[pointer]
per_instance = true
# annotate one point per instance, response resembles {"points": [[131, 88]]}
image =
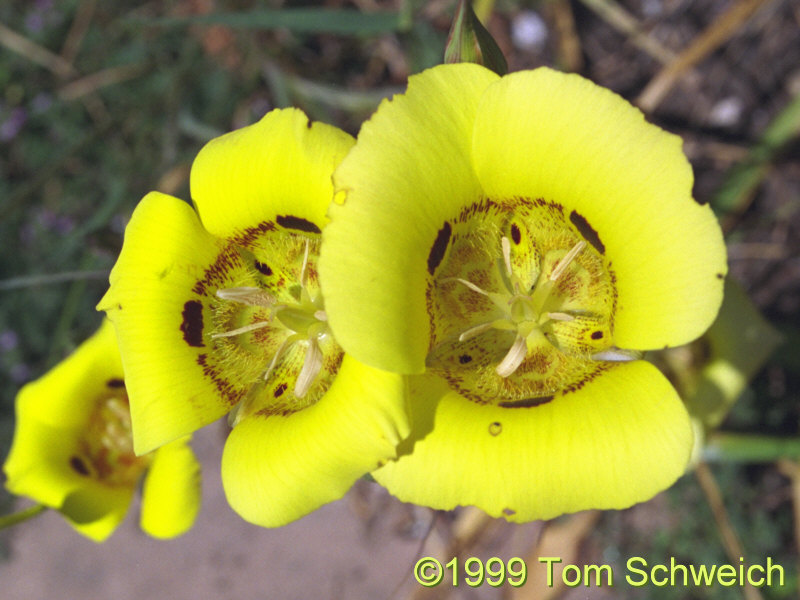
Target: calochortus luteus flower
{"points": [[73, 450], [220, 311], [514, 244]]}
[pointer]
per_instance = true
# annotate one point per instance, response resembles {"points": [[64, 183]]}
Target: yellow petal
{"points": [[159, 303], [543, 134], [96, 510], [410, 170], [276, 469], [620, 438], [275, 171], [52, 414], [171, 493]]}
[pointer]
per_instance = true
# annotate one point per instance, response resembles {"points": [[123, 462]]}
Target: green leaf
{"points": [[743, 179], [297, 20], [741, 341]]}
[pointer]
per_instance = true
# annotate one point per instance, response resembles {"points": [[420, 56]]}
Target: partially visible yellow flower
{"points": [[509, 242], [219, 311], [73, 450]]}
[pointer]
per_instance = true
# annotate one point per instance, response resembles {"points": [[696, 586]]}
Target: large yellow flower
{"points": [[219, 311], [518, 240], [73, 450]]}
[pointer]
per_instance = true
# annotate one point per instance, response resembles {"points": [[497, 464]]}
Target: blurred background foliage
{"points": [[104, 101]]}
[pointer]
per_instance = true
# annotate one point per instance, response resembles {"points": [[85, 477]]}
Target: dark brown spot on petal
{"points": [[192, 325], [439, 247], [516, 234], [720, 276], [115, 382], [509, 512], [292, 222], [597, 335], [464, 359], [526, 402], [263, 268], [77, 464], [279, 390], [587, 231]]}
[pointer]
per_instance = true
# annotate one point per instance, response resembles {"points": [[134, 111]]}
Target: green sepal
{"points": [[469, 41]]}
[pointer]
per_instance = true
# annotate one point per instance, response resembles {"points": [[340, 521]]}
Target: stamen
{"points": [[513, 359], [617, 355], [473, 331], [469, 284], [304, 268], [252, 296], [275, 358], [321, 315], [568, 258], [312, 365], [560, 316], [245, 329], [506, 247]]}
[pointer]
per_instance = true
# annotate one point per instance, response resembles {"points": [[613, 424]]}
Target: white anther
{"points": [[275, 358], [245, 329], [469, 284], [568, 258], [311, 368], [560, 316], [321, 315], [513, 359], [304, 268], [251, 296], [505, 245], [617, 355], [473, 331]]}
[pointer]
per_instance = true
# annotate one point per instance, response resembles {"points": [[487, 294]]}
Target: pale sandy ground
{"points": [[340, 551], [362, 547]]}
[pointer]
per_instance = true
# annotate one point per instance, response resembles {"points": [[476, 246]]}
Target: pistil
{"points": [[524, 312], [301, 321]]}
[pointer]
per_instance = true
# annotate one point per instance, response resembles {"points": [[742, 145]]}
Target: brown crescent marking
{"points": [[587, 231], [263, 268], [77, 464], [279, 390], [464, 359], [292, 222], [526, 402], [597, 335], [516, 234], [192, 324], [439, 247], [115, 382]]}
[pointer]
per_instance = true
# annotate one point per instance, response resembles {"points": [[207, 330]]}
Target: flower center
{"points": [[521, 301], [106, 446], [273, 336]]}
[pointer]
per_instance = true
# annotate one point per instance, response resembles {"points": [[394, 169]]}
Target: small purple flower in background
{"points": [[40, 103], [41, 15], [8, 340], [12, 125]]}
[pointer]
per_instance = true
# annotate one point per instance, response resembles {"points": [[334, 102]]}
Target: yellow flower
{"points": [[219, 311], [519, 240], [73, 451]]}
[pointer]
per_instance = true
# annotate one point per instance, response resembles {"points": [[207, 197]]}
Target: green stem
{"points": [[738, 447], [21, 516]]}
